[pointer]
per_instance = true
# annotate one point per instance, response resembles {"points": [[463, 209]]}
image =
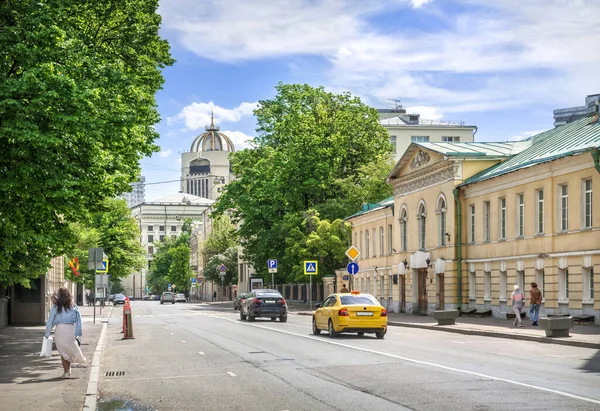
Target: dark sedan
{"points": [[238, 300], [119, 299], [264, 303]]}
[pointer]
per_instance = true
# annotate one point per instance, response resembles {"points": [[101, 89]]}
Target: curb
{"points": [[495, 334], [91, 395]]}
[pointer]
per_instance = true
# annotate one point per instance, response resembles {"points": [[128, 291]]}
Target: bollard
{"points": [[127, 322]]}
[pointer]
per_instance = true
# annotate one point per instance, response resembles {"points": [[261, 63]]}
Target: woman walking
{"points": [[65, 315], [518, 300]]}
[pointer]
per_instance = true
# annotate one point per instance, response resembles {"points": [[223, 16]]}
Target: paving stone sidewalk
{"points": [[30, 382]]}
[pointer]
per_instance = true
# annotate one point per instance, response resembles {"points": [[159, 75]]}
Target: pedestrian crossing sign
{"points": [[311, 268]]}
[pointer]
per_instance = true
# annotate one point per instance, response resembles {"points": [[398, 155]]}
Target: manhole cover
{"points": [[115, 373]]}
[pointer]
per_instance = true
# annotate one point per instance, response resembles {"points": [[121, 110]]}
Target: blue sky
{"points": [[502, 65]]}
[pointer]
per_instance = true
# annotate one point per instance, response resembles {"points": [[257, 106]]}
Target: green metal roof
{"points": [[477, 149], [572, 138], [368, 208]]}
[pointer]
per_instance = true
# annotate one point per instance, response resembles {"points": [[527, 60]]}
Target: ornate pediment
{"points": [[420, 159]]}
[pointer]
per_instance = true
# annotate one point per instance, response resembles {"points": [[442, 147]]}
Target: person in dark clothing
{"points": [[535, 297]]}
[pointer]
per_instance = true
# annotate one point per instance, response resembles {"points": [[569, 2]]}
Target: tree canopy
{"points": [[77, 109], [314, 150], [220, 248]]}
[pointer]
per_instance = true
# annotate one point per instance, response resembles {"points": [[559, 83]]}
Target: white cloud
{"points": [[524, 135], [166, 153], [239, 139], [499, 54], [426, 112], [197, 115]]}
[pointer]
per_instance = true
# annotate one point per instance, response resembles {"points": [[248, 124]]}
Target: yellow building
{"points": [[487, 216]]}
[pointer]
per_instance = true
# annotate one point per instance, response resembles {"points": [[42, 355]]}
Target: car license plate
{"points": [[270, 302], [365, 313]]}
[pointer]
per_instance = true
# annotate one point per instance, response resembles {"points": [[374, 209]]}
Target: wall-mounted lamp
{"points": [[448, 236], [428, 261], [405, 263]]}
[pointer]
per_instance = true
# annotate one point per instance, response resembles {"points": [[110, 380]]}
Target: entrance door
{"points": [[402, 293], [422, 290], [440, 292]]}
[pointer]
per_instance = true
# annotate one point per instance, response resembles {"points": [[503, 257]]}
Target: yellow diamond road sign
{"points": [[352, 253]]}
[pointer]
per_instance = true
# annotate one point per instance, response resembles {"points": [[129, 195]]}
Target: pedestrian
{"points": [[344, 289], [67, 319], [518, 300], [535, 299], [214, 296]]}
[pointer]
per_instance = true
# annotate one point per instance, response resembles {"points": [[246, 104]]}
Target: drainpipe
{"points": [[596, 157], [458, 245]]}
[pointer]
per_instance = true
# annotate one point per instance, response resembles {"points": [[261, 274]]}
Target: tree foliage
{"points": [[77, 109], [171, 263], [314, 150], [221, 248]]}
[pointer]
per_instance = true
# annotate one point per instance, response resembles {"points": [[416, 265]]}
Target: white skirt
{"points": [[64, 338]]}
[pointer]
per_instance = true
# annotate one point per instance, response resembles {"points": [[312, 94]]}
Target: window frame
{"points": [[442, 220], [390, 239], [539, 212], [472, 223], [404, 229], [450, 139], [487, 235], [419, 139], [502, 220], [563, 207], [587, 215], [422, 217], [520, 215], [367, 243]]}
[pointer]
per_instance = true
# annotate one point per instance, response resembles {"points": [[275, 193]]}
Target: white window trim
{"points": [[487, 234], [520, 215], [537, 212], [472, 223], [442, 213], [487, 286], [503, 280], [502, 218], [561, 208], [422, 219], [584, 193]]}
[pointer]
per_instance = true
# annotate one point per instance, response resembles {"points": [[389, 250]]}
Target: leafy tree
{"points": [[171, 263], [77, 108], [116, 287], [317, 239], [222, 237], [229, 258], [314, 150]]}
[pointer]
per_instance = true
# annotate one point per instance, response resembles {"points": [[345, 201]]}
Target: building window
{"points": [[361, 242], [404, 229], [502, 218], [487, 285], [374, 240], [587, 204], [486, 221], [393, 142], [442, 221], [419, 139], [390, 241], [161, 228], [173, 228], [588, 283], [150, 238], [539, 211], [521, 215], [422, 226], [503, 282], [564, 207], [150, 228], [381, 241], [150, 249], [367, 254], [356, 240], [563, 284], [162, 238], [450, 139], [472, 223], [472, 284], [521, 280]]}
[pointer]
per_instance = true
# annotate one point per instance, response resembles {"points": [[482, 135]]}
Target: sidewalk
{"points": [[31, 382], [587, 335]]}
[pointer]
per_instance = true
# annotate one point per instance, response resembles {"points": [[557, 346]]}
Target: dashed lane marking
{"points": [[230, 373], [200, 352]]}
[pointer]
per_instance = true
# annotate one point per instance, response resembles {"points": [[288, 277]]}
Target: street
{"points": [[202, 357]]}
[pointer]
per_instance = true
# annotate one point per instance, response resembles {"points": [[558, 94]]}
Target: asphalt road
{"points": [[202, 357]]}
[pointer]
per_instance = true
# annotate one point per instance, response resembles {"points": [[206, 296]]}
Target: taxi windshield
{"points": [[358, 299]]}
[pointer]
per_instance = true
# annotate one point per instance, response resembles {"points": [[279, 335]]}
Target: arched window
{"points": [[404, 229], [421, 216], [441, 212]]}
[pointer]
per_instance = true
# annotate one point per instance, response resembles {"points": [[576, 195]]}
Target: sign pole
{"points": [[95, 289], [310, 294]]}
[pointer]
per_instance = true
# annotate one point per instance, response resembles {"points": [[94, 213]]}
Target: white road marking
{"points": [[162, 378], [200, 352], [183, 341], [171, 333], [431, 364], [230, 373]]}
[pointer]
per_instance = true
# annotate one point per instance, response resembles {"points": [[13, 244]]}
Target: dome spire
{"points": [[212, 117]]}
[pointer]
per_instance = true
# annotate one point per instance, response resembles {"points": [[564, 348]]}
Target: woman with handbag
{"points": [[65, 315], [518, 301]]}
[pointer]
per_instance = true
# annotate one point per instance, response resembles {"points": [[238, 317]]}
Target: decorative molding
{"points": [[587, 261], [562, 263], [487, 267], [503, 266], [420, 159], [520, 265], [428, 179], [539, 264]]}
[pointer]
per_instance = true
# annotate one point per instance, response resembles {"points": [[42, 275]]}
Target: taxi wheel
{"points": [[331, 330], [316, 331], [380, 335]]}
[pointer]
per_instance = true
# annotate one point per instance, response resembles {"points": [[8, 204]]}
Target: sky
{"points": [[501, 65]]}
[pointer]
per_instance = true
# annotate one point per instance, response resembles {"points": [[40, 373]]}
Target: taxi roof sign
{"points": [[352, 253]]}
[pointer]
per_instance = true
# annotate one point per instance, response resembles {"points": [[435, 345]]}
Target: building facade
{"points": [[405, 128], [563, 116], [137, 194], [469, 221]]}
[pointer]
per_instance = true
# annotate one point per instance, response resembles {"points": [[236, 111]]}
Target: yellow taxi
{"points": [[350, 313]]}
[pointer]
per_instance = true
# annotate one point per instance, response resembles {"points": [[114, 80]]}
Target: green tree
{"points": [[77, 109], [313, 150], [229, 258], [171, 263], [222, 237], [317, 239]]}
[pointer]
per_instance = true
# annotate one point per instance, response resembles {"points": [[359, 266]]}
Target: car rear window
{"points": [[358, 299], [269, 295]]}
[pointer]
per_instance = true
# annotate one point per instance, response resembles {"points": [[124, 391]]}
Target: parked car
{"points": [[264, 303], [118, 299], [167, 297], [350, 313], [155, 297], [180, 298], [145, 297], [238, 300]]}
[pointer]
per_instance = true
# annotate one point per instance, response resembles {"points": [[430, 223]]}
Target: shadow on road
{"points": [[593, 364]]}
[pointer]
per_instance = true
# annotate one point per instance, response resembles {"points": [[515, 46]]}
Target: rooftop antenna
{"points": [[397, 104]]}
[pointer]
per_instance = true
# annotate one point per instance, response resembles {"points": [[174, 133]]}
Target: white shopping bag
{"points": [[47, 347]]}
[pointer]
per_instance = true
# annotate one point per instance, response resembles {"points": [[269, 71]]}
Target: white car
{"points": [[180, 298]]}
